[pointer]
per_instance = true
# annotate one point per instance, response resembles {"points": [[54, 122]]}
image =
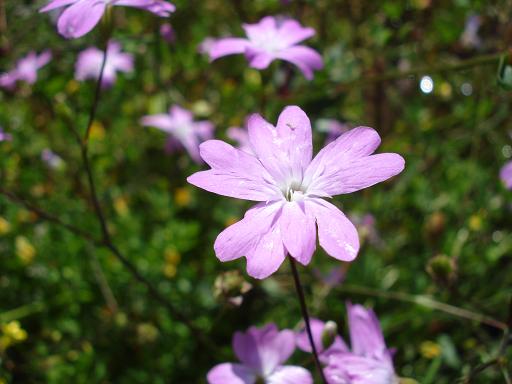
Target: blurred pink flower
{"points": [[240, 135], [506, 174], [369, 361], [269, 40], [26, 69], [206, 45], [5, 136], [262, 353], [167, 33], [183, 130], [290, 185], [317, 330], [88, 64], [51, 159], [469, 37], [81, 16], [333, 128]]}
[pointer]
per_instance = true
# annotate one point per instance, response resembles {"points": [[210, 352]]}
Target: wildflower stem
{"points": [[305, 315], [203, 339]]}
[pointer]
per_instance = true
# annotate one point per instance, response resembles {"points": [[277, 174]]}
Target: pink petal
{"points": [[229, 373], [506, 174], [204, 130], [344, 166], [361, 173], [227, 46], [366, 338], [317, 328], [307, 59], [43, 59], [191, 143], [264, 349], [158, 7], [291, 32], [234, 173], [348, 367], [290, 374], [336, 234], [284, 151], [54, 4], [268, 255], [80, 18], [241, 238], [298, 231], [294, 129], [265, 27], [160, 121], [258, 59]]}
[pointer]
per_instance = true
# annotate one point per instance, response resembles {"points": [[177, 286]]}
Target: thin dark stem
{"points": [[107, 239], [305, 315], [97, 93], [47, 216], [120, 256], [497, 360]]}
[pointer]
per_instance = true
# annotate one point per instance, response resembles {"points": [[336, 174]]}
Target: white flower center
{"points": [[294, 191]]}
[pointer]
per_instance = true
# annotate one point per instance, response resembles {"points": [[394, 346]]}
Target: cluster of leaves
{"points": [[444, 224]]}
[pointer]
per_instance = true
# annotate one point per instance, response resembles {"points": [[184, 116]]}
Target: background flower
{"points": [[262, 353], [81, 16], [269, 40], [88, 64], [182, 129], [25, 69]]}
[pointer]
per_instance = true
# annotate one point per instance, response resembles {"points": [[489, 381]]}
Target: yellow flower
{"points": [[430, 349], [182, 197], [72, 86], [24, 250], [172, 256], [475, 222], [170, 271], [172, 259], [12, 333], [5, 226], [121, 206], [97, 131]]}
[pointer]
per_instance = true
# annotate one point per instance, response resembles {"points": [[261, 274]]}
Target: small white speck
{"points": [[466, 89], [426, 84]]}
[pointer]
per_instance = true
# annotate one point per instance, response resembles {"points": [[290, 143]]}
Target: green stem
{"points": [[426, 301]]}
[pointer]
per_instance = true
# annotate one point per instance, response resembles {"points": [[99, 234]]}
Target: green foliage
{"points": [[444, 224]]}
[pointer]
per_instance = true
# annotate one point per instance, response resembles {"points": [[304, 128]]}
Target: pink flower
{"points": [[81, 16], [317, 329], [370, 361], [51, 158], [241, 136], [88, 65], [5, 136], [182, 129], [167, 32], [26, 69], [506, 174], [269, 40], [262, 352], [290, 185], [333, 128]]}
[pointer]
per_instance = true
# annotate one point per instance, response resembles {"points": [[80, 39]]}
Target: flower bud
{"points": [[329, 333], [442, 269]]}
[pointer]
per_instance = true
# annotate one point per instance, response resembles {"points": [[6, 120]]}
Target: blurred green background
{"points": [[70, 312]]}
